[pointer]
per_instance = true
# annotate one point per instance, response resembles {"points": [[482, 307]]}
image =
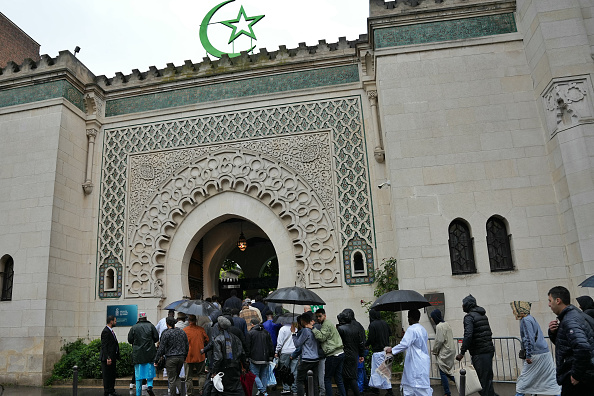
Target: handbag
{"points": [[161, 362], [472, 381]]}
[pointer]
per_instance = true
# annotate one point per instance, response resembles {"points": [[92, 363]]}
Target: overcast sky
{"points": [[121, 35]]}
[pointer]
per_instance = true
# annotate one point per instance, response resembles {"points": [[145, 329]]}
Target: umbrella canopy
{"points": [[174, 304], [589, 282], [295, 295], [286, 318], [400, 300], [196, 307]]}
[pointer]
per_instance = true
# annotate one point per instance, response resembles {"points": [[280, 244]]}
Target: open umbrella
{"points": [[295, 295], [196, 307], [286, 318], [589, 282], [400, 300], [174, 304]]}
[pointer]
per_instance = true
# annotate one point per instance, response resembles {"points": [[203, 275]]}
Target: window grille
{"points": [[461, 249], [7, 279], [498, 245]]}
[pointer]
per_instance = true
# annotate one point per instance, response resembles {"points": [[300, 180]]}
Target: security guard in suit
{"points": [[110, 353]]}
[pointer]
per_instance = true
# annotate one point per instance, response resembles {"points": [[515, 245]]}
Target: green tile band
{"points": [[234, 89], [456, 29], [44, 91]]}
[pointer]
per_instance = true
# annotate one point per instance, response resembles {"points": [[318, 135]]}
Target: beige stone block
{"points": [[439, 175], [418, 206], [414, 237], [501, 169], [457, 205], [533, 196], [543, 225]]}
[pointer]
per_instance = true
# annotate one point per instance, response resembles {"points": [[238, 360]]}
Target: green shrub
{"points": [[86, 357]]}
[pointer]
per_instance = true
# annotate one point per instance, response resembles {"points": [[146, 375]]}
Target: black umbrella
{"points": [[400, 300], [196, 307], [589, 282], [295, 295], [286, 318]]}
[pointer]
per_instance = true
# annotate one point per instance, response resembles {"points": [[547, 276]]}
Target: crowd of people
{"points": [[240, 336]]}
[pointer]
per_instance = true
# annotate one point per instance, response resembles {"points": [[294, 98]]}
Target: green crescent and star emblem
{"points": [[236, 32]]}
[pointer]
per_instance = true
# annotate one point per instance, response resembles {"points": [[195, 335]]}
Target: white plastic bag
{"points": [[472, 381], [217, 381]]}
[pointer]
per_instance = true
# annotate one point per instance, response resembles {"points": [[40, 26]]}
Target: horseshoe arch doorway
{"points": [[208, 236]]}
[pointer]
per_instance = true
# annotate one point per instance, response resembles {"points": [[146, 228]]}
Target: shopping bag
{"points": [[271, 376], [247, 380], [472, 381], [385, 368]]}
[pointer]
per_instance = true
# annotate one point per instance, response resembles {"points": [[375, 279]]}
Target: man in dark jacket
{"points": [[143, 336], [573, 337], [354, 348], [378, 338], [174, 346], [261, 349], [478, 341], [227, 357], [261, 305], [110, 353], [233, 302]]}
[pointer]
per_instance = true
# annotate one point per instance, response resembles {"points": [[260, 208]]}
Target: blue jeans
{"points": [[261, 372], [285, 360], [334, 369], [445, 382]]}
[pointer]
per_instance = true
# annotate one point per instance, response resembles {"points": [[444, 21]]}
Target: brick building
{"points": [[15, 45]]}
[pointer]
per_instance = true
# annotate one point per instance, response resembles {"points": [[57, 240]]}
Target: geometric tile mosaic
{"points": [[284, 82], [44, 91], [455, 29]]}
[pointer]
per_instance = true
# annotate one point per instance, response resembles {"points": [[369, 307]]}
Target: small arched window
{"points": [[498, 245], [109, 279], [461, 248], [7, 277], [358, 263]]}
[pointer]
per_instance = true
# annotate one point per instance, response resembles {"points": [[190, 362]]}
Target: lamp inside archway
{"points": [[242, 242]]}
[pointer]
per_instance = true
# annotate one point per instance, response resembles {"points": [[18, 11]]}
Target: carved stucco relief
{"points": [[177, 182], [567, 103]]}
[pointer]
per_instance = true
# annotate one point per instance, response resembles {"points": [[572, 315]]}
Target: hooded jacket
{"points": [[379, 332], [477, 332], [228, 361], [574, 345], [259, 344], [353, 342], [587, 305]]}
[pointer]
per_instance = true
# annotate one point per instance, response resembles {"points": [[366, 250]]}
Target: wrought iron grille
{"points": [[498, 245], [461, 249], [7, 278]]}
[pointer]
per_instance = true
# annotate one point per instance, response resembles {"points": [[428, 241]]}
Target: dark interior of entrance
{"points": [[253, 270]]}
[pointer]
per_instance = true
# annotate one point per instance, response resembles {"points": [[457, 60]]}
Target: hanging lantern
{"points": [[242, 242]]}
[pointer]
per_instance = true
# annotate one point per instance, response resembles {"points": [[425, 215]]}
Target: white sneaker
{"points": [[144, 387], [132, 385]]}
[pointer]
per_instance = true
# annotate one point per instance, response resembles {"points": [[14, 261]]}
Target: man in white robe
{"points": [[417, 363]]}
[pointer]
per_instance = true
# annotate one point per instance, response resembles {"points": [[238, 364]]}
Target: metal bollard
{"points": [[462, 391], [310, 384], [75, 381], [182, 391]]}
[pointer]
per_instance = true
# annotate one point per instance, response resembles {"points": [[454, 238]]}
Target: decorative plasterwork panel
{"points": [[567, 103], [214, 170], [341, 116]]}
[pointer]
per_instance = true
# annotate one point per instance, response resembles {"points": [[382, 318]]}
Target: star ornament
{"points": [[242, 15]]}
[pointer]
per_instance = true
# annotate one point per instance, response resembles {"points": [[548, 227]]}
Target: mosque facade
{"points": [[455, 136]]}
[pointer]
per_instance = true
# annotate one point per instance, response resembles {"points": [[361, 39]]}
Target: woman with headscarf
{"points": [[445, 350], [538, 372], [586, 305]]}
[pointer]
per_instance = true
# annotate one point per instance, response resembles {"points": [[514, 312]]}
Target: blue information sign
{"points": [[126, 315]]}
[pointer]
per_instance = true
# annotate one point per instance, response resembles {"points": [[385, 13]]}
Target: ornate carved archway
{"points": [[262, 176]]}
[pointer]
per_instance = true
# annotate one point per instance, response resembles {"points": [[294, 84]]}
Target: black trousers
{"points": [[581, 389], [302, 369], [109, 377], [351, 383], [483, 364]]}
